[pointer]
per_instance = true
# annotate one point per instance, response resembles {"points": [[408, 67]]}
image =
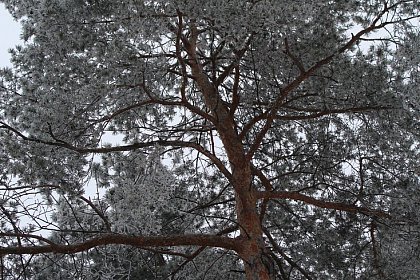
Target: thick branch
{"points": [[266, 195], [138, 241], [191, 257], [320, 203]]}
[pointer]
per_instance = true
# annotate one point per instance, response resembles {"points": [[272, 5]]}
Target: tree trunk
{"points": [[252, 248], [252, 245]]}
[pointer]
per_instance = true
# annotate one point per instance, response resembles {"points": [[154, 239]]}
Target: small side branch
{"points": [[295, 60], [97, 211], [123, 148], [284, 256]]}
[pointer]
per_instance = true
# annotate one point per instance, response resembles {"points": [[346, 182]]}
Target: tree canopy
{"points": [[254, 139]]}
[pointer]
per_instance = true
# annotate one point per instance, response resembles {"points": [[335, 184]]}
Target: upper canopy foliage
{"points": [[158, 104]]}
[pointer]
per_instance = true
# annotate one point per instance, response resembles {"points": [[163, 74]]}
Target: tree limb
{"points": [[320, 203], [108, 239], [122, 148]]}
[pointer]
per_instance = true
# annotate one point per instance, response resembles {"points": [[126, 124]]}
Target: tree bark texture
{"points": [[251, 245]]}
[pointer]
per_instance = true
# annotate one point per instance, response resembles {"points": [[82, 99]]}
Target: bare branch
{"points": [[137, 241], [320, 113], [130, 147], [269, 194], [295, 60], [97, 211], [320, 203], [287, 258]]}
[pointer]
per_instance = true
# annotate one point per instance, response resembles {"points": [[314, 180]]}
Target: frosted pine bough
{"points": [[261, 140]]}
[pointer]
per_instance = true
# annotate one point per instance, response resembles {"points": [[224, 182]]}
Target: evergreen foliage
{"points": [[172, 139]]}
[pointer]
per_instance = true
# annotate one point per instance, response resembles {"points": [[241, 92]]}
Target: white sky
{"points": [[9, 35]]}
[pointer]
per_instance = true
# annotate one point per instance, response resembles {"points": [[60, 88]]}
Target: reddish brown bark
{"points": [[250, 246], [321, 203], [138, 241]]}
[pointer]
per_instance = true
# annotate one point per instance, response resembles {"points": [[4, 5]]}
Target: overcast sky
{"points": [[9, 35]]}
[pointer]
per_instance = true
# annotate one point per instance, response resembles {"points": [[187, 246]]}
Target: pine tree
{"points": [[260, 139]]}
